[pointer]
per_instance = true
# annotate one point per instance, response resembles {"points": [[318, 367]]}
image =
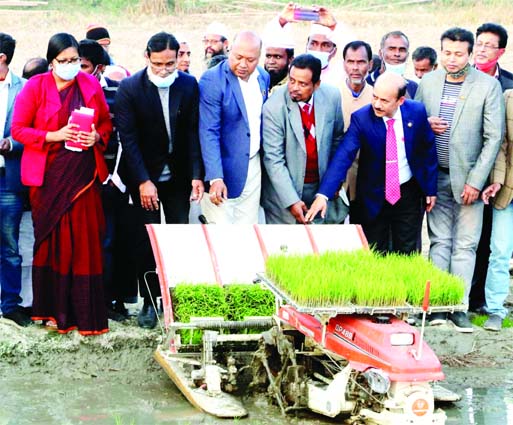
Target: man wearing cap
{"points": [[323, 37], [231, 98], [279, 52], [100, 34], [215, 41], [394, 51], [302, 126]]}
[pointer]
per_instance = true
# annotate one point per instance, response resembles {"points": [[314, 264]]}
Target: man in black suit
{"points": [[157, 117], [491, 41]]}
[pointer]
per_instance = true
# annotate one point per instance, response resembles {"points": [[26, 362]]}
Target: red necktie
{"points": [[392, 185], [312, 161]]}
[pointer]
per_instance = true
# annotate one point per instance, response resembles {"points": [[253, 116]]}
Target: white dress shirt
{"points": [[253, 101]]}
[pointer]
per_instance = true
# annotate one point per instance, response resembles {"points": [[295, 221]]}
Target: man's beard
{"points": [[209, 55], [277, 76]]}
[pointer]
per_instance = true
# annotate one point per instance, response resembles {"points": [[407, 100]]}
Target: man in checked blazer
{"points": [[466, 112]]}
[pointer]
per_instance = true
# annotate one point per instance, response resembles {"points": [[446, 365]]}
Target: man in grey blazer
{"points": [[302, 126], [466, 113], [11, 190]]}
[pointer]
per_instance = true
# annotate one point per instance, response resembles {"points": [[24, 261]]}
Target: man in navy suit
{"points": [[157, 120], [231, 98], [397, 168]]}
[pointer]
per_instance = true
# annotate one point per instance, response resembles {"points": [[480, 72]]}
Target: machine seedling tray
{"points": [[332, 311]]}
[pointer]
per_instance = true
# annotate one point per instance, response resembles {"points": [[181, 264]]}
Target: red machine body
{"points": [[366, 343]]}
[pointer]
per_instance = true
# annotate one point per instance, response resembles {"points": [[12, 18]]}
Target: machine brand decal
{"points": [[356, 347], [344, 332], [420, 407]]}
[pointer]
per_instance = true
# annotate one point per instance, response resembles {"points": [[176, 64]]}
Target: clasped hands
{"points": [[69, 132]]}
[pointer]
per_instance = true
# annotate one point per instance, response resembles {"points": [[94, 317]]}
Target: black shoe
{"points": [[461, 322], [119, 307], [18, 317], [435, 319], [147, 317], [114, 315]]}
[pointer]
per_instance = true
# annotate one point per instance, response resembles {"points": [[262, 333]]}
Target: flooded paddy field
{"points": [[46, 378]]}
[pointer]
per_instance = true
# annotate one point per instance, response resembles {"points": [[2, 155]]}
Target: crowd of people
{"points": [[297, 140]]}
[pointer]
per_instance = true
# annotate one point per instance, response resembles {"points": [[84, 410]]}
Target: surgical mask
{"points": [[322, 56], [487, 66], [67, 71], [396, 69], [162, 82]]}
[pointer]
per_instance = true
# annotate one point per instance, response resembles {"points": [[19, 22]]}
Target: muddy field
{"points": [[47, 378]]}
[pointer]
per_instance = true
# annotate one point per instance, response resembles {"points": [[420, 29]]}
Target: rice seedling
{"points": [[361, 277], [232, 302], [480, 319], [243, 300]]}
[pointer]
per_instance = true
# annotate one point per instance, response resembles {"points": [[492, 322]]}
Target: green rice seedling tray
{"points": [[361, 282], [332, 311], [240, 307]]}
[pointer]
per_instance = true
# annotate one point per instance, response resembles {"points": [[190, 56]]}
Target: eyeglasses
{"points": [[73, 61], [486, 46], [211, 41], [170, 66]]}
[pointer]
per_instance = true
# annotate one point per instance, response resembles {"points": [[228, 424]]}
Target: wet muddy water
{"points": [[115, 397]]}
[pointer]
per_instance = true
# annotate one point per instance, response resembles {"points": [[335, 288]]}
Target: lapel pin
{"points": [[410, 124]]}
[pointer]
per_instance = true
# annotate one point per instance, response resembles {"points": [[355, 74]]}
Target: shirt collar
{"points": [[397, 116], [309, 103], [8, 79], [252, 78]]}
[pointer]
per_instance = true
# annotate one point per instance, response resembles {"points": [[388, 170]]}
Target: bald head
{"points": [[247, 38], [244, 54], [392, 80], [389, 92]]}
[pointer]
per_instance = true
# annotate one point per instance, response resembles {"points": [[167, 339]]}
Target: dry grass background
{"points": [[130, 30]]}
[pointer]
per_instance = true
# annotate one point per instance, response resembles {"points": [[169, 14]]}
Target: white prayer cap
{"points": [[181, 38], [322, 30], [278, 37], [217, 28]]}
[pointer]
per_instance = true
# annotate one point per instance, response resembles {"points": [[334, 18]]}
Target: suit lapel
{"points": [[153, 101], [436, 94], [295, 121], [408, 125], [320, 117], [53, 100], [466, 87], [263, 86], [233, 82], [175, 98]]}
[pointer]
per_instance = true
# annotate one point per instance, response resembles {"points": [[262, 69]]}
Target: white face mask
{"points": [[162, 82], [67, 71], [396, 69], [322, 56]]}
